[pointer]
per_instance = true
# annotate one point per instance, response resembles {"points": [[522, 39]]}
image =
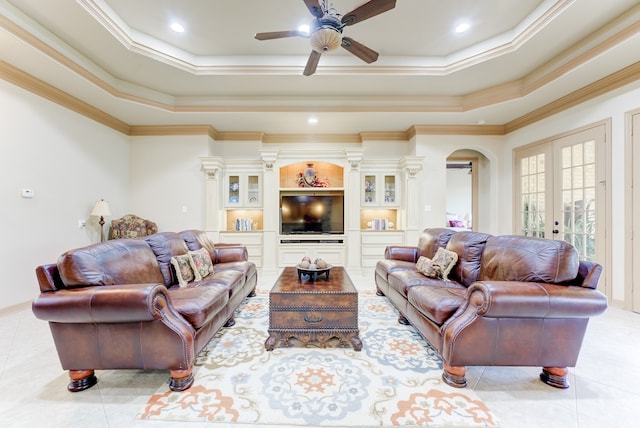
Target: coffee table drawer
{"points": [[313, 319]]}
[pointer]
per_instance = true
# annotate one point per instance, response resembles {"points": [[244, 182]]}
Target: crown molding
{"points": [[457, 130]]}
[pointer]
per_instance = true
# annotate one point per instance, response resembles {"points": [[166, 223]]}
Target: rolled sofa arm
{"points": [[400, 252], [231, 253], [514, 299], [96, 304]]}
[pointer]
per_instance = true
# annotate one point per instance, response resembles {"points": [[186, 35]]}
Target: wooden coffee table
{"points": [[313, 310]]}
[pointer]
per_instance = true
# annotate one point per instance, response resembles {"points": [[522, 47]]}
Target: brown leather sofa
{"points": [[118, 305], [509, 301]]}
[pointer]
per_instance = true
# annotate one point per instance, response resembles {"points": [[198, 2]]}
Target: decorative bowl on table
{"points": [[313, 271]]}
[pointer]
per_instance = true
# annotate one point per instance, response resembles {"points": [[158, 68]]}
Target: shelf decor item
{"points": [[308, 178]]}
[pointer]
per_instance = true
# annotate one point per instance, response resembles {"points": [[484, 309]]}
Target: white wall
{"points": [[69, 162], [167, 179]]}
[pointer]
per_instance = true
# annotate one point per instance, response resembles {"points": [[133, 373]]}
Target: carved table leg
{"points": [[356, 343], [454, 375], [81, 380], [181, 379], [555, 376], [270, 343]]}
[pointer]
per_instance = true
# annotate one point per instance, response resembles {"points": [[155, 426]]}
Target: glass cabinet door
{"points": [[389, 189], [369, 194], [234, 189], [253, 190]]}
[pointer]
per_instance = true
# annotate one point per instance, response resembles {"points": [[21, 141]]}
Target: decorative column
{"points": [[411, 166], [212, 167], [352, 211], [270, 211]]}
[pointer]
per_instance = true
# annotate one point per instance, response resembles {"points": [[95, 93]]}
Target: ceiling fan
{"points": [[326, 32]]}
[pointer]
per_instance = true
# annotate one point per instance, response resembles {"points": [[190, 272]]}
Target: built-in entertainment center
{"points": [[342, 209]]}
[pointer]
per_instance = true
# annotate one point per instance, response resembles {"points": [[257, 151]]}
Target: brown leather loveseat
{"points": [[118, 304], [508, 301]]}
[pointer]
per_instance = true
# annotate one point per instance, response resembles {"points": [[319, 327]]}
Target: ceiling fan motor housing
{"points": [[326, 34]]}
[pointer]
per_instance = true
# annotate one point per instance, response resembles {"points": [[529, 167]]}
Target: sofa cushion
{"points": [[198, 304], [469, 247], [521, 258], [196, 239], [437, 302], [184, 270], [231, 280], [201, 262], [122, 261], [432, 239], [403, 280], [247, 269], [166, 245]]}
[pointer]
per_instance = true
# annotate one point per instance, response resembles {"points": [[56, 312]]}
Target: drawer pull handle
{"points": [[316, 321]]}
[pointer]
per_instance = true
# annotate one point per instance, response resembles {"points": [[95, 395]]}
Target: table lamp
{"points": [[101, 209]]}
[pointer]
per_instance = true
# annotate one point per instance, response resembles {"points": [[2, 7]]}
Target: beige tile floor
{"points": [[604, 392]]}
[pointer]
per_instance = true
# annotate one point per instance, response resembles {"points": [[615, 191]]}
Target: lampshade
{"points": [[101, 209], [325, 39]]}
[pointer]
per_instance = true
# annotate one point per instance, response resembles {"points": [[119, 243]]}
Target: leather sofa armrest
{"points": [[514, 299], [107, 303], [231, 253], [401, 252]]}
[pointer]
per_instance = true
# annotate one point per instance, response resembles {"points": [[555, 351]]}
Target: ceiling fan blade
{"points": [[280, 34], [368, 10], [312, 63], [359, 50], [314, 8]]}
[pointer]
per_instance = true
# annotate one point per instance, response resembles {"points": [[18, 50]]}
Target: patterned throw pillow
{"points": [[184, 271], [446, 260], [426, 266], [201, 262]]}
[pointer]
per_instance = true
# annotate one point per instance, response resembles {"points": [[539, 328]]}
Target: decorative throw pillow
{"points": [[446, 260], [456, 223], [426, 266], [184, 271], [201, 262]]}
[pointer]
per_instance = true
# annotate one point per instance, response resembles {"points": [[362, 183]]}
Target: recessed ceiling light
{"points": [[178, 28], [312, 120], [462, 27]]}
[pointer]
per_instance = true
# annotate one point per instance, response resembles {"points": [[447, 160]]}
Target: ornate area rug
{"points": [[395, 379]]}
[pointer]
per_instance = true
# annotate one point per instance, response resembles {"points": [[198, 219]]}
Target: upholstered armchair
{"points": [[131, 226]]}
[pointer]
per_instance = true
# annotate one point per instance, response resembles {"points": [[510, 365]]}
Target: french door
{"points": [[561, 191]]}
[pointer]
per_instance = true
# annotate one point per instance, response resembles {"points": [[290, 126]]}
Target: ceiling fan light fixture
{"points": [[326, 39]]}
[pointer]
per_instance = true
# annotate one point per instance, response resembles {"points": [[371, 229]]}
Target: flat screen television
{"points": [[312, 213]]}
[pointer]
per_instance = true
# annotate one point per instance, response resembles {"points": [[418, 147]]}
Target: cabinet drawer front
{"points": [[313, 319], [383, 238], [302, 302]]}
